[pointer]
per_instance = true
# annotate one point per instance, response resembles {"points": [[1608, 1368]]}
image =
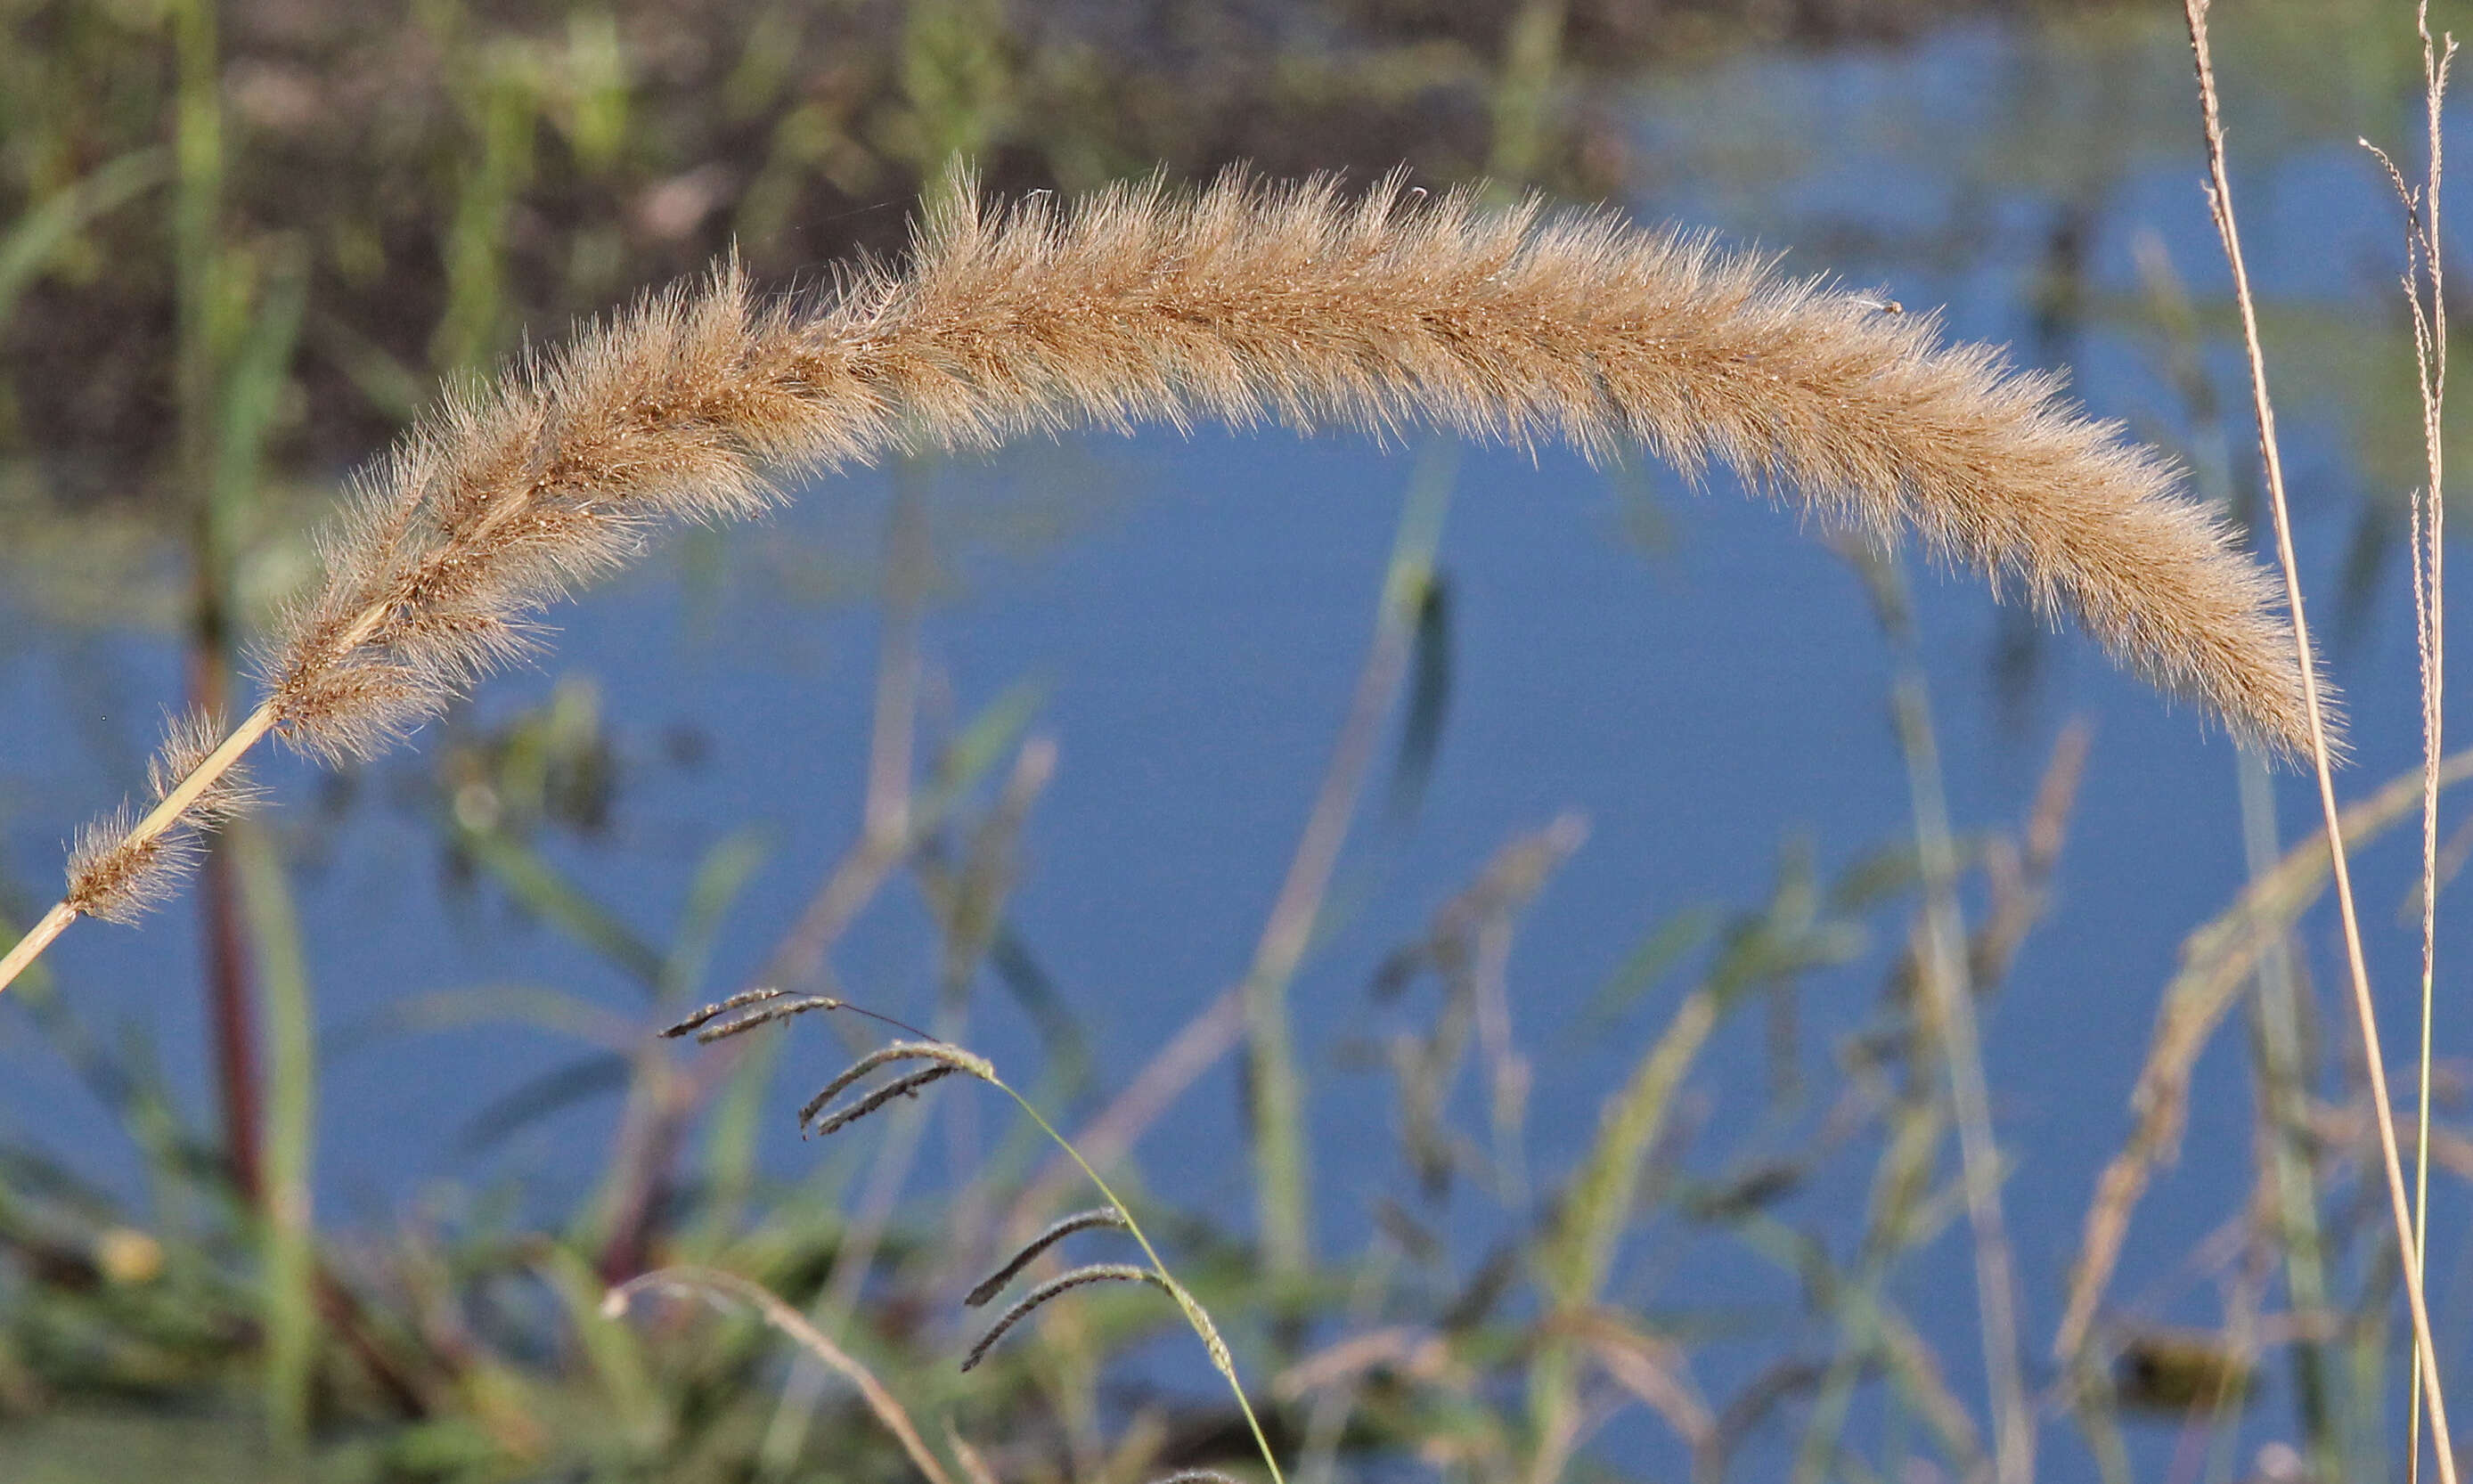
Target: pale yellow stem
{"points": [[39, 938], [2220, 198], [161, 818]]}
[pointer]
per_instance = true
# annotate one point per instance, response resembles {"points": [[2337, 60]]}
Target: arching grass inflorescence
{"points": [[900, 1087], [1242, 302]]}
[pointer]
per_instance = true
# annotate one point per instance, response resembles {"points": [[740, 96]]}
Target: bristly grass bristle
{"points": [[117, 875]]}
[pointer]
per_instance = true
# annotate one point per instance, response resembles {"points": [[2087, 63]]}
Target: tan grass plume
{"points": [[1242, 302]]}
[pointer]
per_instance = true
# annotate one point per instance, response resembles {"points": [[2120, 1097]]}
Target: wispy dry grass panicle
{"points": [[1243, 303], [512, 493], [115, 872]]}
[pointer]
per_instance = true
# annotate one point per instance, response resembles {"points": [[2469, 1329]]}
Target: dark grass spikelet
{"points": [[766, 1014], [900, 1087], [117, 877], [1066, 1282], [719, 1008], [1080, 1220], [778, 1005], [952, 1056]]}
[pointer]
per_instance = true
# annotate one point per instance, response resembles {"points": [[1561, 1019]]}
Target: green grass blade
{"points": [[719, 878], [28, 243], [291, 1259], [540, 889]]}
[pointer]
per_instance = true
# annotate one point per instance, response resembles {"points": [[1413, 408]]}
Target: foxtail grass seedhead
{"points": [[1080, 1220], [1242, 302], [1078, 1278], [116, 875]]}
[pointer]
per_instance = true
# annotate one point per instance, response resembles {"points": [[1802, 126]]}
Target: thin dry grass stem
{"points": [[1054, 1288], [2220, 199], [974, 1466], [1245, 303], [2216, 960], [994, 1283], [712, 1283], [2425, 275]]}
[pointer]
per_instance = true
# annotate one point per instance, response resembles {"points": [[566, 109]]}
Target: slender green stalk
{"points": [[1194, 1314], [2284, 1102], [1278, 1110], [1523, 98], [1943, 975], [290, 1260]]}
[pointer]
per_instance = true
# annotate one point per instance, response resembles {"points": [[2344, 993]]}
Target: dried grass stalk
{"points": [[717, 1285], [1242, 302]]}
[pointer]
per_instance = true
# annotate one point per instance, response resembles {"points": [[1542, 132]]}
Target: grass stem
{"points": [[2220, 200]]}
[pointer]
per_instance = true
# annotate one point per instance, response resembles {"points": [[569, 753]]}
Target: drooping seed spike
{"points": [[1079, 1278], [766, 1014], [719, 1008], [1079, 1221], [898, 1051], [900, 1087]]}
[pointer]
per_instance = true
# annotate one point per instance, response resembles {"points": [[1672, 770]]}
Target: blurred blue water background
{"points": [[1689, 668]]}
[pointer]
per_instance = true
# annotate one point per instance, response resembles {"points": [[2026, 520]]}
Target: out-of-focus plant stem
{"points": [[1278, 1088], [1943, 975], [290, 1260]]}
